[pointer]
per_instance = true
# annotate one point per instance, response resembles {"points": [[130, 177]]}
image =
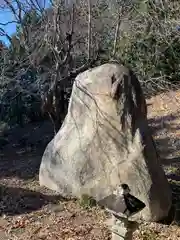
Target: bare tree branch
{"points": [[3, 33], [89, 29], [117, 31], [7, 23], [69, 38]]}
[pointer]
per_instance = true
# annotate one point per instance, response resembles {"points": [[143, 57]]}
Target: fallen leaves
{"points": [[20, 222], [68, 220]]}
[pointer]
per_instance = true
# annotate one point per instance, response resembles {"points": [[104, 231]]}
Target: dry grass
{"points": [[31, 212]]}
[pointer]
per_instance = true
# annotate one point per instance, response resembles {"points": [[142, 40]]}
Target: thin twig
{"points": [[89, 29], [117, 31]]}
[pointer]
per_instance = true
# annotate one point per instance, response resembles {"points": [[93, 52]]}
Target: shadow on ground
{"points": [[167, 139], [14, 201], [21, 153]]}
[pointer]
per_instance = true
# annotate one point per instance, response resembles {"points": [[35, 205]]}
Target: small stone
{"points": [[56, 207]]}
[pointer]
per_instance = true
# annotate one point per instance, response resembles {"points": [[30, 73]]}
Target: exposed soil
{"points": [[28, 211]]}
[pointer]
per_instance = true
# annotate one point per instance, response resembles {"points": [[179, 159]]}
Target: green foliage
{"points": [[87, 201], [152, 46], [19, 93], [19, 99], [30, 19]]}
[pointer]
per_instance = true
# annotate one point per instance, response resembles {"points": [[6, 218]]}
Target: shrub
{"points": [[152, 45]]}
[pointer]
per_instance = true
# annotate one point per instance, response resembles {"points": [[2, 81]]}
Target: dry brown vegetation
{"points": [[31, 212]]}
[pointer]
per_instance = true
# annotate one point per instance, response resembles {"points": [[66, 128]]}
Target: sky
{"points": [[7, 16]]}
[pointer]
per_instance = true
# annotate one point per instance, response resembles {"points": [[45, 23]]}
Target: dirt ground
{"points": [[28, 211]]}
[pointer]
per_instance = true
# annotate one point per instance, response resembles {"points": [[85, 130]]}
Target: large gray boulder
{"points": [[105, 141]]}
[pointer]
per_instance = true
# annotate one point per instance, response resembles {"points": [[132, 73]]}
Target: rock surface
{"points": [[105, 141]]}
